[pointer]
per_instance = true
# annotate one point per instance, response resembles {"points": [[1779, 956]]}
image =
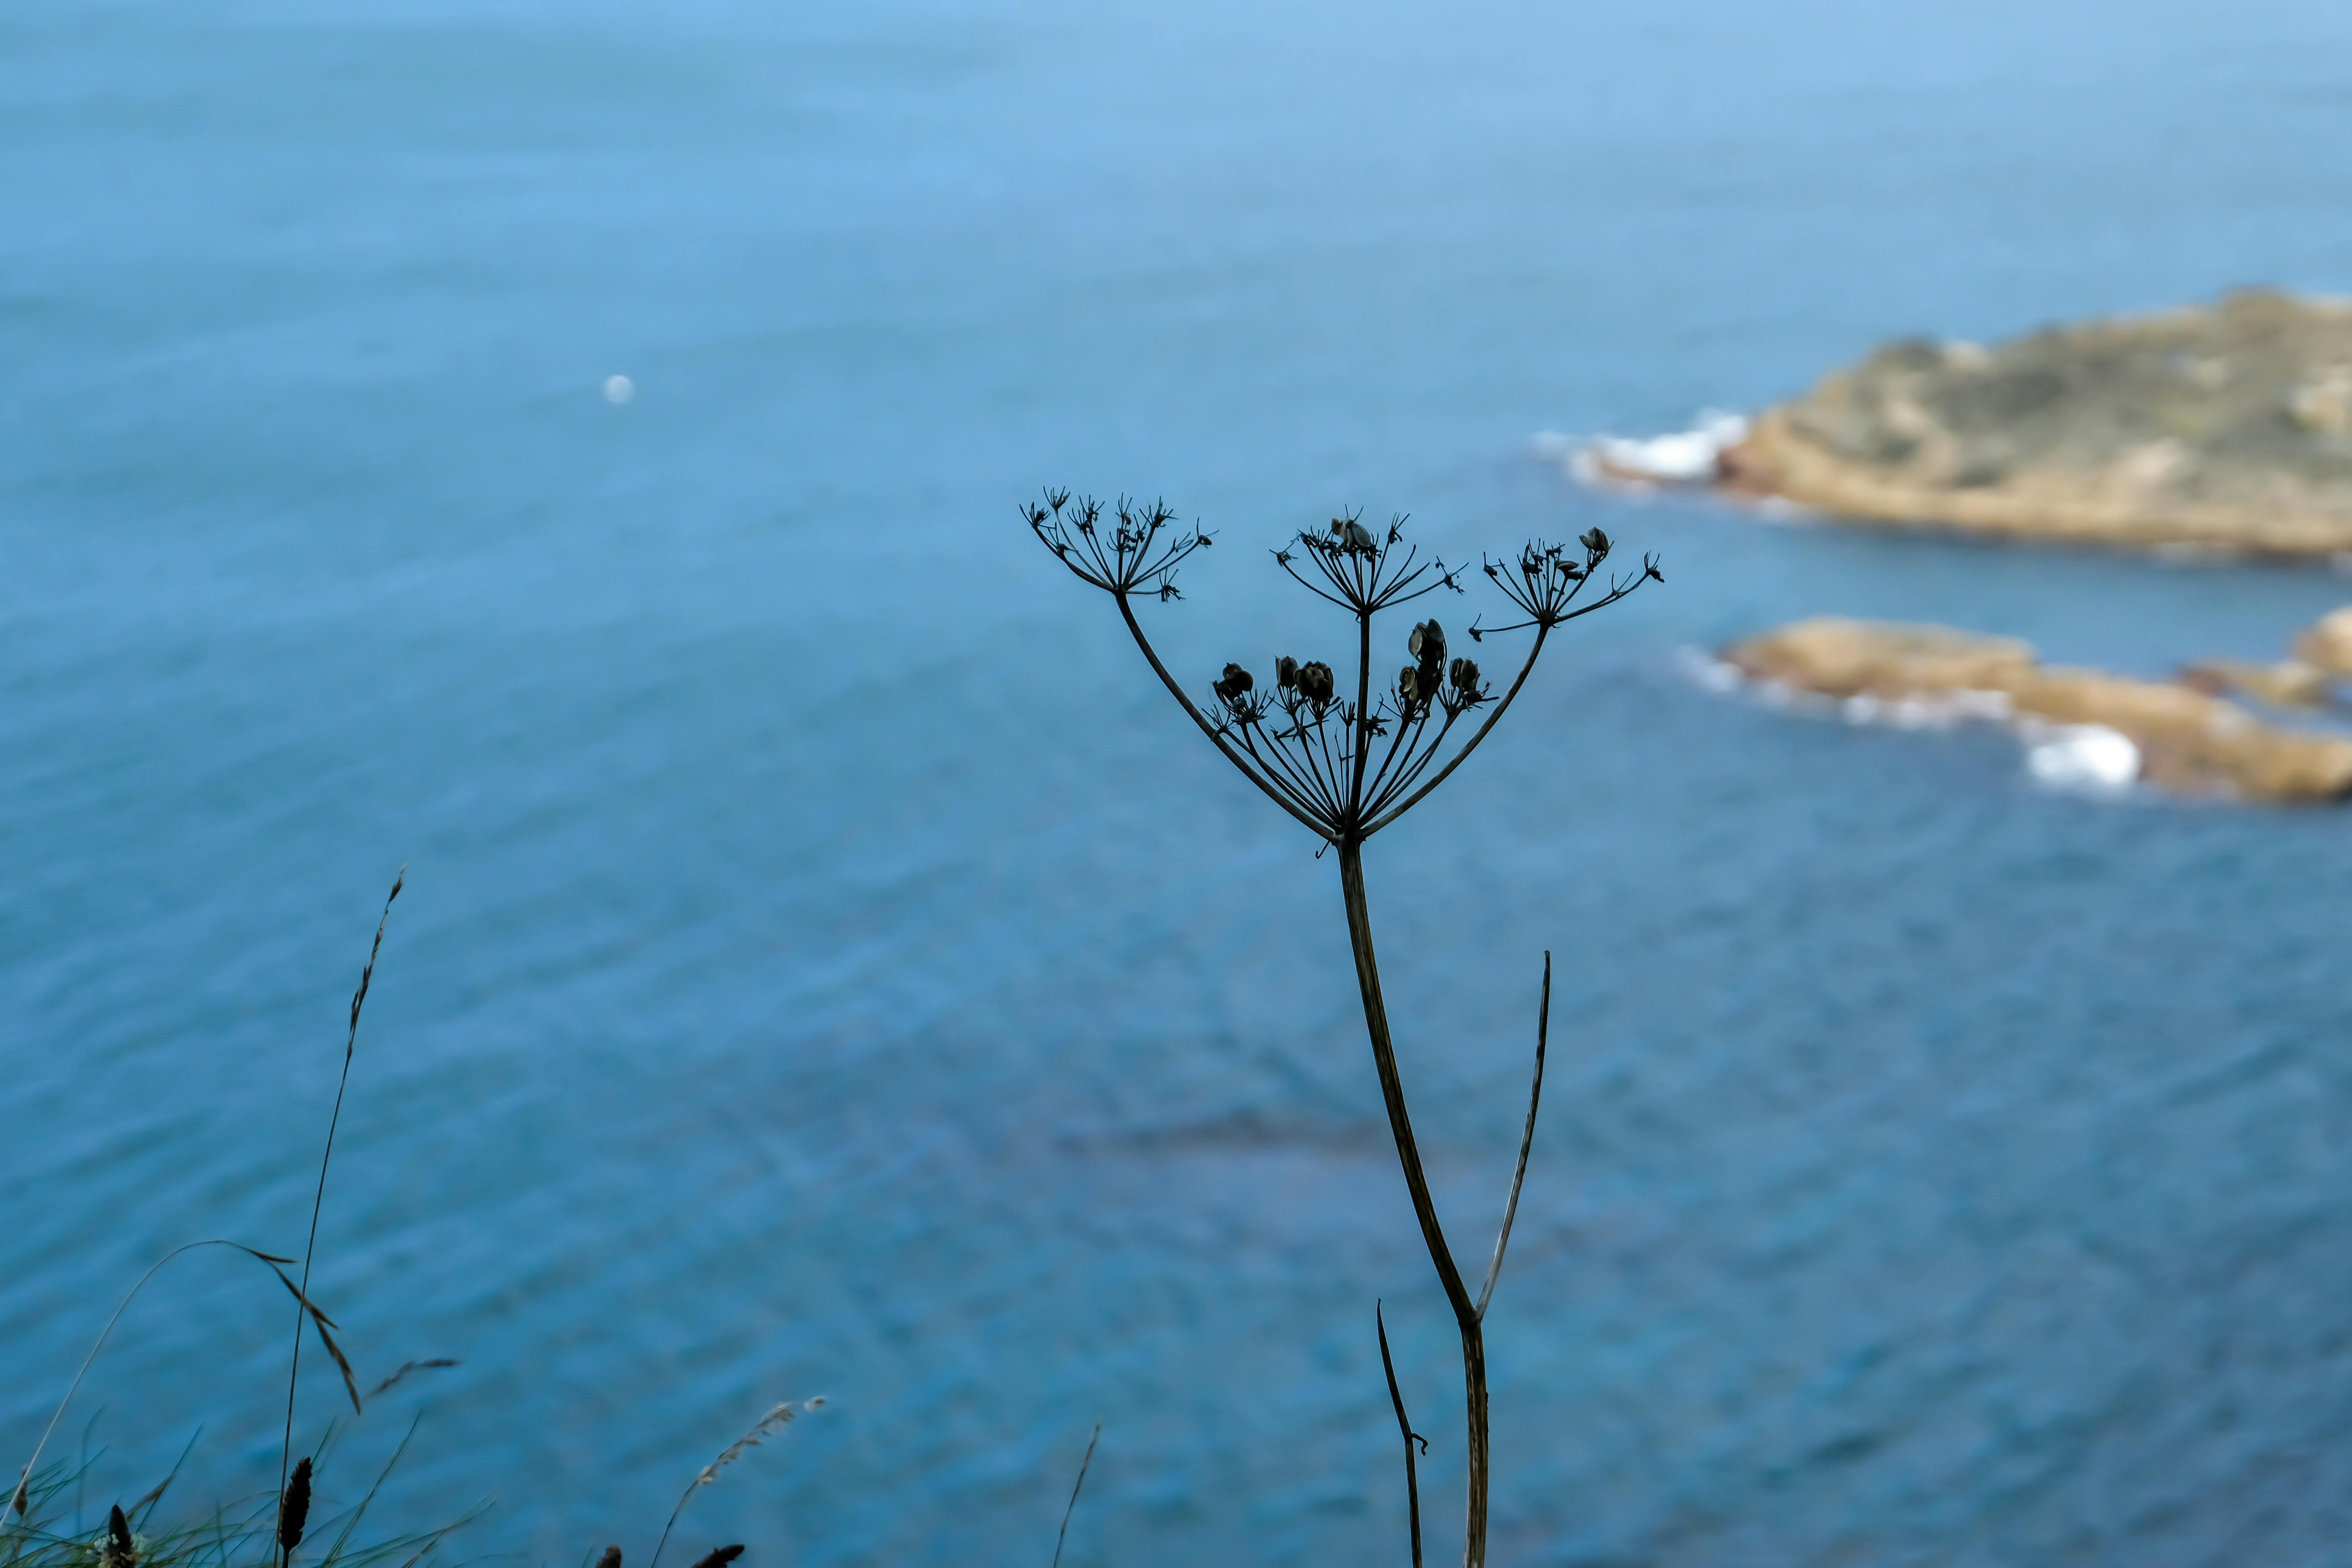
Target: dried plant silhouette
{"points": [[269, 1532], [777, 1418], [310, 1246], [1061, 1537], [277, 1527], [1346, 767]]}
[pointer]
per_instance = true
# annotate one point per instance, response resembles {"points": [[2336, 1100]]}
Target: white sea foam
{"points": [[1681, 457], [2089, 759]]}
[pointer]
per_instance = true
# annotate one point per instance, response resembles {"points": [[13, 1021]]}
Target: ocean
{"points": [[829, 965]]}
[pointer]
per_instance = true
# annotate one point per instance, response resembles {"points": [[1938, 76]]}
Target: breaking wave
{"points": [[2084, 759], [1681, 457]]}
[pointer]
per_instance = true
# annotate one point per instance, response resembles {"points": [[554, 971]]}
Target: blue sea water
{"points": [[829, 965]]}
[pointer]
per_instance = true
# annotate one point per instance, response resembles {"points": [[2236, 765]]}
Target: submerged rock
{"points": [[2228, 427], [2184, 740]]}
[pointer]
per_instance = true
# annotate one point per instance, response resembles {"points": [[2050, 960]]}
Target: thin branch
{"points": [[1527, 1141], [1359, 722], [1318, 753], [1463, 755], [1073, 1507], [1414, 768], [1408, 729], [1135, 628], [1283, 558], [1294, 775], [1396, 1398]]}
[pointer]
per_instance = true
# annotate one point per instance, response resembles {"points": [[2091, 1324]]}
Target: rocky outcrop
{"points": [[2326, 644], [2290, 683], [2185, 740], [2227, 429]]}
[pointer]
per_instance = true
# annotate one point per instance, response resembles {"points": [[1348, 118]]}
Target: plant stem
{"points": [[1465, 1310]]}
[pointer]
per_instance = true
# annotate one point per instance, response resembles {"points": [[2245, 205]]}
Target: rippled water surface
{"points": [[829, 965]]}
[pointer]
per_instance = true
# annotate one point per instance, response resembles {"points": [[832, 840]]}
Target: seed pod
{"points": [[1428, 642], [1238, 679], [1408, 684], [1426, 681], [294, 1511], [612, 1558], [1360, 538], [1595, 542], [1465, 674], [121, 1552], [1315, 682], [1285, 672]]}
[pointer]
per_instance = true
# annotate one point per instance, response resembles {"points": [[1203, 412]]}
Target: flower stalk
{"points": [[1348, 769]]}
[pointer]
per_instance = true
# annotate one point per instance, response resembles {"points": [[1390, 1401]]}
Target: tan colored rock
{"points": [[2290, 683], [2227, 429], [2188, 739], [2328, 643]]}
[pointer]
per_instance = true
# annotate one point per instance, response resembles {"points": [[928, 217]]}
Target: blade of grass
{"points": [[1075, 1490]]}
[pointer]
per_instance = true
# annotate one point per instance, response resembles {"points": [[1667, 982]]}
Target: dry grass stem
{"points": [[1411, 1471], [407, 1367], [19, 1502], [1075, 1490], [765, 1428], [319, 1200], [1527, 1141]]}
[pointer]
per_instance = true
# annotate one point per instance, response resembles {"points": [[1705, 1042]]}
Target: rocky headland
{"points": [[2180, 737], [2227, 427]]}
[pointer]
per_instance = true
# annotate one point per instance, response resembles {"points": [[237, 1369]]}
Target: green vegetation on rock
{"points": [[2227, 427]]}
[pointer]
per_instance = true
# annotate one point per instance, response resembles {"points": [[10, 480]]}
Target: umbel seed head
{"points": [[1233, 687], [1315, 682], [1465, 674], [1286, 673]]}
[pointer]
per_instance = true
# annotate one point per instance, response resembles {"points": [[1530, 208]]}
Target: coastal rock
{"points": [[2327, 644], [2290, 683], [2227, 429], [2187, 740]]}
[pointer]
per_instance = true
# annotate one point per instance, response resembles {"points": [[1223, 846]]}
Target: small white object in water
{"points": [[2085, 757], [619, 389]]}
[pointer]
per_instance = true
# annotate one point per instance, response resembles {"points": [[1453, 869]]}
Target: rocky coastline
{"points": [[2173, 735], [2224, 428]]}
